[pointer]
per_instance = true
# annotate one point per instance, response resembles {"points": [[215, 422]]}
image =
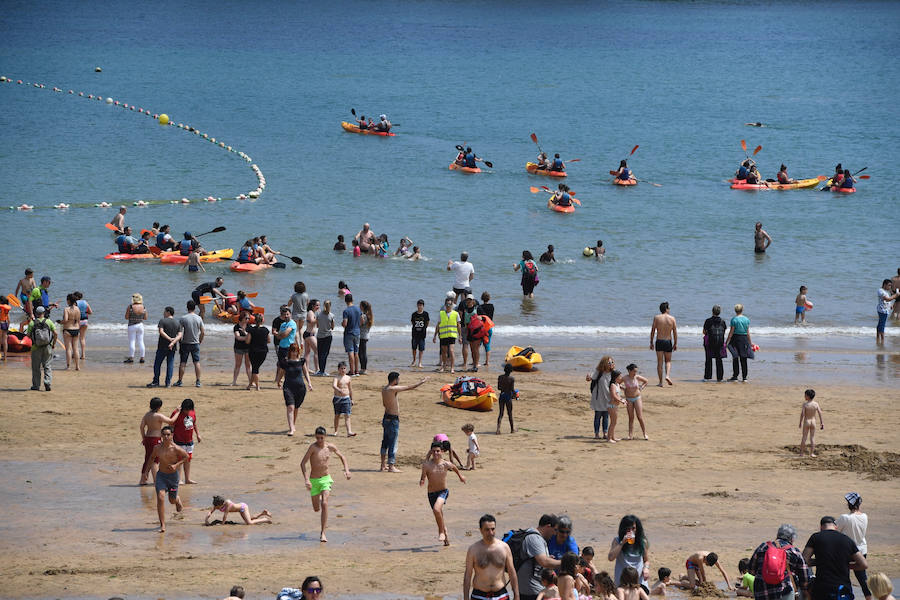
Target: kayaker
{"points": [[245, 254], [164, 241], [838, 176], [188, 244], [143, 246], [624, 173], [753, 175], [783, 175], [543, 163], [847, 182], [126, 242], [471, 158], [561, 196], [557, 165], [461, 157], [268, 252], [362, 124], [744, 170], [383, 124], [242, 304]]}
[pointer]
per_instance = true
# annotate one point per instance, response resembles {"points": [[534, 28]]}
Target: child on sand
{"points": [[185, 427], [802, 305], [435, 470], [587, 560], [227, 506], [343, 398], [548, 580], [615, 401], [808, 422], [506, 383], [473, 451], [630, 588], [659, 588], [605, 587], [881, 586], [696, 573], [745, 587]]}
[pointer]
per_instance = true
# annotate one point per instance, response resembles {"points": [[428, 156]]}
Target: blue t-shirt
{"points": [[741, 324], [557, 550], [287, 340], [353, 315]]}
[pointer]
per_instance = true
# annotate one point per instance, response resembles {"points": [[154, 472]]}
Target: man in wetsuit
{"points": [[666, 333], [489, 563], [211, 289]]}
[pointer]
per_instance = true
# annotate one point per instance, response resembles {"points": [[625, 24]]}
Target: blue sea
{"points": [[592, 79]]}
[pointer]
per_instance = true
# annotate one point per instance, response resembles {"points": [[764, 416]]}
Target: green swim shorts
{"points": [[320, 484]]}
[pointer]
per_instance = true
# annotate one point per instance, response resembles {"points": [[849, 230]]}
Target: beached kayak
{"points": [[523, 359], [483, 403], [843, 190], [617, 181], [239, 267], [562, 209], [774, 185], [211, 257], [355, 129], [456, 167], [18, 342], [533, 169]]}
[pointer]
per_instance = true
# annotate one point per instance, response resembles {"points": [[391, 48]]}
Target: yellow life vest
{"points": [[447, 328]]}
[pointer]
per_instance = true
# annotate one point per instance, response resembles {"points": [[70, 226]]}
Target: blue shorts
{"points": [[800, 310], [433, 496], [487, 344], [342, 405], [192, 350], [351, 343], [418, 344], [882, 321]]}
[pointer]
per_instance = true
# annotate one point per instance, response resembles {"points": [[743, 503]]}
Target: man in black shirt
{"points": [[714, 343], [419, 322], [835, 554]]}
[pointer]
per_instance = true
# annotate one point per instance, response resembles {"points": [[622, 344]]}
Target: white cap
{"points": [[383, 117]]}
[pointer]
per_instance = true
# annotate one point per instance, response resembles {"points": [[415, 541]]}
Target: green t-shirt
{"points": [[747, 581]]}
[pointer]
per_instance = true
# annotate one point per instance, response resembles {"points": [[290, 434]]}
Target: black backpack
{"points": [[515, 538]]}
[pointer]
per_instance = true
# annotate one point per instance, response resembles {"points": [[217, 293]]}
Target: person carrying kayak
{"points": [[188, 244], [561, 196], [362, 123], [126, 242], [624, 173], [164, 240], [383, 124], [847, 182], [744, 170], [557, 164], [783, 175]]}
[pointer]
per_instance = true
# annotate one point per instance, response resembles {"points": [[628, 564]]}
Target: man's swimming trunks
{"points": [[691, 565], [320, 484], [167, 482], [498, 595], [663, 345], [433, 496]]}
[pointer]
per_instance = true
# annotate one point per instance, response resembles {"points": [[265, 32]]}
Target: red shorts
{"points": [[149, 444]]}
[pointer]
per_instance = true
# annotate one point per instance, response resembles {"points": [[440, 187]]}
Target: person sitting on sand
{"points": [[549, 581], [605, 587], [696, 573], [236, 593], [227, 506], [659, 588], [435, 471], [745, 587]]}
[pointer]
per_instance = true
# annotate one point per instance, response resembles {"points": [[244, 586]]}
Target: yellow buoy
{"points": [[588, 251], [164, 119]]}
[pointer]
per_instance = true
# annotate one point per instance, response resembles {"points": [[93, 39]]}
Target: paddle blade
{"points": [[155, 251], [544, 187], [534, 138], [218, 229], [821, 177], [353, 111], [613, 173], [576, 201], [279, 266], [460, 148], [259, 310], [633, 150], [744, 145], [110, 226], [297, 260], [757, 149], [253, 294], [571, 160], [13, 300], [865, 176], [534, 190], [489, 164]]}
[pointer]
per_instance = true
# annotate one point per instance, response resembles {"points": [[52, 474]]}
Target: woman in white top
{"points": [[309, 335], [854, 525], [136, 315]]}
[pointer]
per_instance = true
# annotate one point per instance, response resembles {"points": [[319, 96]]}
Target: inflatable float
{"points": [[469, 393], [523, 359]]}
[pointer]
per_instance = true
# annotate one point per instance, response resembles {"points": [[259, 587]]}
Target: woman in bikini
{"points": [[70, 327], [310, 345], [615, 401], [227, 506], [633, 384]]}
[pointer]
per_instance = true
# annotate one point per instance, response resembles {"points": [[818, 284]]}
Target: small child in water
{"points": [[193, 264], [808, 421], [339, 245], [473, 451], [548, 580], [745, 587], [696, 573], [659, 588], [357, 252], [803, 304], [343, 290], [227, 506], [630, 587], [414, 255], [599, 250]]}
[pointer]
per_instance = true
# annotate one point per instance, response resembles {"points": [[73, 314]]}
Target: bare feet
{"points": [[291, 432], [162, 530], [612, 441], [351, 434], [645, 437], [188, 482], [442, 537], [659, 384], [412, 364], [179, 506], [446, 542], [669, 381], [383, 468], [322, 537], [393, 469], [498, 431]]}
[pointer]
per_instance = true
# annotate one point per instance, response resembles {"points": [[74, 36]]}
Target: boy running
{"points": [[151, 435], [319, 482], [435, 470], [170, 457]]}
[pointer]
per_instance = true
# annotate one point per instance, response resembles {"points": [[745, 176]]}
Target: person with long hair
{"points": [[615, 402], [630, 548], [568, 569], [600, 380], [260, 337], [241, 347], [136, 315], [365, 324], [310, 342], [86, 311], [71, 330], [529, 273], [296, 384], [324, 325]]}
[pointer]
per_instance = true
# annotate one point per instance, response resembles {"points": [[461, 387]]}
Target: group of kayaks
{"points": [[772, 184], [171, 257], [472, 393]]}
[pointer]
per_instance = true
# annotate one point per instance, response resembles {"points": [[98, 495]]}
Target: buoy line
{"points": [[164, 120]]}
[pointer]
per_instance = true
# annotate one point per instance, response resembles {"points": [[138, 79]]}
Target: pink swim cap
{"points": [[441, 437]]}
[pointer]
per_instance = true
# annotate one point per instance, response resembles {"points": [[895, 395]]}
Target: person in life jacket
{"points": [[383, 124], [561, 196], [783, 175], [126, 242], [188, 244], [753, 175], [847, 182], [267, 251], [245, 254], [838, 176], [624, 173], [543, 163], [164, 240], [461, 157], [143, 246], [447, 328], [744, 170], [471, 158], [362, 123], [557, 164]]}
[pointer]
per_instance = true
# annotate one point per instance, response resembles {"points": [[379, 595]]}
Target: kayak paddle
{"points": [[216, 230], [489, 164], [13, 300], [296, 259], [353, 111], [279, 265], [535, 140], [112, 227]]}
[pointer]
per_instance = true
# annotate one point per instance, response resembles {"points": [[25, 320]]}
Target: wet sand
{"points": [[720, 473]]}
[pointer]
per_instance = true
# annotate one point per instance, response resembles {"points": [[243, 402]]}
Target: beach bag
{"points": [[515, 539], [41, 334], [531, 269], [468, 386], [775, 564]]}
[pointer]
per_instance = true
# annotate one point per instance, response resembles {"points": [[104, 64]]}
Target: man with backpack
{"points": [[42, 332], [835, 554], [530, 555], [773, 563]]}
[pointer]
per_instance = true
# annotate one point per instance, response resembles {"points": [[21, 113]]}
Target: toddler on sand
{"points": [[808, 421], [473, 451]]}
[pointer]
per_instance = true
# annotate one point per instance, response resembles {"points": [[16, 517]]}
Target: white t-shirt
{"points": [[854, 526], [461, 271], [473, 444], [884, 305]]}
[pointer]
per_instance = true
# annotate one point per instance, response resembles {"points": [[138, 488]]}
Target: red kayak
{"points": [[618, 181], [843, 190], [239, 267], [18, 342], [456, 167]]}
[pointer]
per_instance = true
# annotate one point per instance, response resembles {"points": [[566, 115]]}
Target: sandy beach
{"points": [[720, 472]]}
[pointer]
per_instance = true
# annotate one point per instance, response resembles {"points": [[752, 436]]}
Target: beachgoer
{"points": [[362, 123], [714, 344], [761, 239], [782, 176], [666, 332], [881, 586], [489, 565], [835, 554], [415, 254], [547, 257], [623, 173], [599, 251], [562, 541], [536, 557], [86, 311], [419, 321], [4, 327], [211, 289], [739, 342], [475, 328], [40, 296], [801, 305], [23, 290], [165, 347], [405, 247], [356, 250], [808, 413], [365, 239], [311, 589], [296, 384], [350, 321], [633, 385], [390, 422], [298, 303], [324, 327], [118, 221], [630, 548], [605, 587], [448, 328], [696, 571], [164, 239], [561, 197], [895, 284], [151, 434], [189, 244], [629, 588], [185, 426], [473, 450], [241, 346], [797, 567], [847, 182], [228, 506], [310, 345], [885, 297], [506, 384], [529, 273], [285, 336], [319, 482], [170, 457], [463, 273], [486, 309], [435, 471], [557, 164], [136, 314], [600, 380], [193, 264], [745, 587], [339, 245], [365, 324], [42, 332], [342, 399], [69, 325], [753, 175], [663, 575], [259, 348], [854, 525], [190, 335], [615, 403]]}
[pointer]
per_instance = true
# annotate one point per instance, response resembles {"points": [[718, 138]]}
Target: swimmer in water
{"points": [[227, 506], [757, 124]]}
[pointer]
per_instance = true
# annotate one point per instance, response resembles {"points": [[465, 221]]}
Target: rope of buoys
{"points": [[164, 120]]}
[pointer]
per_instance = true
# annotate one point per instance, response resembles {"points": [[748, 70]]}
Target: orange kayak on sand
{"points": [[456, 167]]}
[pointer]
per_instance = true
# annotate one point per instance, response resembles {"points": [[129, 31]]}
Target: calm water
{"points": [[274, 80]]}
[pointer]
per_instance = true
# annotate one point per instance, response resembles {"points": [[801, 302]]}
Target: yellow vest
{"points": [[447, 328]]}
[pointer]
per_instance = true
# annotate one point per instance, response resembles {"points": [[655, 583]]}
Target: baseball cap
{"points": [[39, 310], [852, 498]]}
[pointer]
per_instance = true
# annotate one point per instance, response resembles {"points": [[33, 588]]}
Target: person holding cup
{"points": [[630, 548]]}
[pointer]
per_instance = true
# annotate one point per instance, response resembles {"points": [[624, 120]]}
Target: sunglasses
{"points": [[317, 590], [567, 531]]}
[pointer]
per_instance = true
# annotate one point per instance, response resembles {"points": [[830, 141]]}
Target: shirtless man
{"points": [[319, 482], [366, 239], [391, 420], [23, 292], [808, 413], [435, 470], [761, 239], [150, 427], [666, 341], [170, 457], [487, 561], [118, 221]]}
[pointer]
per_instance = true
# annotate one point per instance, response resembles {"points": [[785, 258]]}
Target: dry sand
{"points": [[720, 472]]}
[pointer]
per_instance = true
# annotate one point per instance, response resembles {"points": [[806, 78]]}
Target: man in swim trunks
{"points": [[761, 239], [391, 420], [23, 290], [319, 482], [435, 470], [366, 239], [170, 457], [151, 425], [118, 221], [489, 563], [666, 333]]}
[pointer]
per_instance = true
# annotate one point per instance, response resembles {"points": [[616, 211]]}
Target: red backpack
{"points": [[774, 567]]}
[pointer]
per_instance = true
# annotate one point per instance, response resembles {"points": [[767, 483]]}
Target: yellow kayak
{"points": [[523, 359]]}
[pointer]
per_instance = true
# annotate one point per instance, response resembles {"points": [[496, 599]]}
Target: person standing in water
{"points": [[666, 333], [761, 239]]}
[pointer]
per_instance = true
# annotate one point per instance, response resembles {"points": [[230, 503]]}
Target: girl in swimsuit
{"points": [[70, 326], [615, 401], [633, 384], [227, 506], [310, 343]]}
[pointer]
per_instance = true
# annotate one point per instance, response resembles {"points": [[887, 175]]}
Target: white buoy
{"points": [[109, 100]]}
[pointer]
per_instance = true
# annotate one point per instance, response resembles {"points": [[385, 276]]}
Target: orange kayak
{"points": [[239, 267], [456, 167], [533, 169], [618, 181], [355, 129]]}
